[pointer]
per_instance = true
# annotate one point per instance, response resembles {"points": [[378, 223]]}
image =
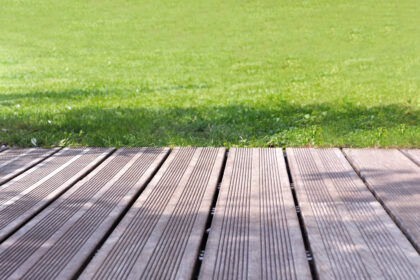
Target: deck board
{"points": [[395, 181], [57, 241], [15, 161], [160, 236], [137, 213], [351, 235], [255, 231], [26, 194], [413, 154]]}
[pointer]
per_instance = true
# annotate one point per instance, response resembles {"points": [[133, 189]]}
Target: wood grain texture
{"points": [[28, 193], [255, 232], [160, 236], [413, 154], [56, 242], [351, 235], [16, 161], [395, 180]]}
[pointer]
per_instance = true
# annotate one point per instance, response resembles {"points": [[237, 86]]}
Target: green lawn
{"points": [[210, 73]]}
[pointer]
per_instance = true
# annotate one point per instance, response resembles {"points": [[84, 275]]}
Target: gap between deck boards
{"points": [[197, 265]]}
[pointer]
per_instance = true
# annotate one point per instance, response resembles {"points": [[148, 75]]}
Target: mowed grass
{"points": [[210, 73]]}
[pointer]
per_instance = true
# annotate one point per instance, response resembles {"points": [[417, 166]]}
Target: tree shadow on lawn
{"points": [[284, 124], [79, 95]]}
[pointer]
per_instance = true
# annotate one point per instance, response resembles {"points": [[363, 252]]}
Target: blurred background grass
{"points": [[210, 73]]}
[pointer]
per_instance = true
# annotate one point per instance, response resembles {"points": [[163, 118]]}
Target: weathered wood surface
{"points": [[15, 161], [83, 213], [160, 236], [28, 193], [351, 235], [57, 242], [395, 181], [413, 154], [255, 232]]}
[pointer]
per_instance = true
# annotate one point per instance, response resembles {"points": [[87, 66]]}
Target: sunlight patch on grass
{"points": [[210, 73]]}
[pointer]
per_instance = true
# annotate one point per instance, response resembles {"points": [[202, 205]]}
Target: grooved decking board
{"points": [[160, 236], [395, 181], [414, 155], [255, 232], [28, 193], [350, 234], [57, 242], [15, 161]]}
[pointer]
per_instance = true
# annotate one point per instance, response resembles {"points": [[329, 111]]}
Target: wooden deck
{"points": [[208, 213]]}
